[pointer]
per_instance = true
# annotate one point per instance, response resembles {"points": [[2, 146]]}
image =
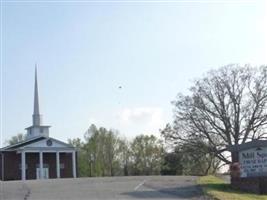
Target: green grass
{"points": [[217, 189]]}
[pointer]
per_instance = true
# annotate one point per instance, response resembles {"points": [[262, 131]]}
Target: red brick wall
{"points": [[66, 159], [1, 178], [32, 159], [50, 159], [11, 166], [263, 185], [12, 162], [250, 184]]}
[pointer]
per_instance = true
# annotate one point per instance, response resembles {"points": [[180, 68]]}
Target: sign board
{"points": [[253, 162]]}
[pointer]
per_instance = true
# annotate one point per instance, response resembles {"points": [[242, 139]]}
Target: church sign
{"points": [[249, 166], [253, 162]]}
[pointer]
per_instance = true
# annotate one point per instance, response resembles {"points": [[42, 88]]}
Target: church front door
{"points": [[45, 173]]}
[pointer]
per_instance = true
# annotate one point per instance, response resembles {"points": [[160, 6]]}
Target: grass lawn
{"points": [[219, 190]]}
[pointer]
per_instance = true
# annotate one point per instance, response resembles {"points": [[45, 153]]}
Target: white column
{"points": [[41, 165], [23, 166], [58, 165], [74, 164]]}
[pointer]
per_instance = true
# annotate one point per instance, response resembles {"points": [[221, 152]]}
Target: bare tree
{"points": [[227, 106]]}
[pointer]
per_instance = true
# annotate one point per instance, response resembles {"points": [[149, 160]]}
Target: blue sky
{"points": [[85, 51]]}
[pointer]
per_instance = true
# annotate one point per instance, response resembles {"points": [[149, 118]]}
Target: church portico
{"points": [[39, 156], [38, 163], [44, 164]]}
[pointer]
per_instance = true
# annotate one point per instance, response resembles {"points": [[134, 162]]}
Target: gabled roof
{"points": [[28, 142], [248, 145], [22, 143]]}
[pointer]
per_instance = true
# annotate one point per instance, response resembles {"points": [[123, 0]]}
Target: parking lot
{"points": [[139, 187]]}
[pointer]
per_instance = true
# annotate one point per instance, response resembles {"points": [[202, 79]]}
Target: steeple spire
{"points": [[36, 97], [36, 117], [37, 129]]}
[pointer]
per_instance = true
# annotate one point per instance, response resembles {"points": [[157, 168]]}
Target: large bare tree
{"points": [[227, 106]]}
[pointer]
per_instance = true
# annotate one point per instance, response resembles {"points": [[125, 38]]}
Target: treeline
{"points": [[104, 152], [187, 159]]}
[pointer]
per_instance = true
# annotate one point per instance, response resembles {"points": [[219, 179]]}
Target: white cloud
{"points": [[145, 119]]}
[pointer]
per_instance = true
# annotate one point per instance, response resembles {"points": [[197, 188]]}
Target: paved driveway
{"points": [[141, 187]]}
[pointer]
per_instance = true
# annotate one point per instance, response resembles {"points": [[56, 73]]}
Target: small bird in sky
{"points": [[120, 87]]}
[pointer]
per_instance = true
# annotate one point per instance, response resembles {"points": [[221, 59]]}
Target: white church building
{"points": [[39, 156]]}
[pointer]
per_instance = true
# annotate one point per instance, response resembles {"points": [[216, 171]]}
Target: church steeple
{"points": [[37, 129], [36, 97], [36, 117]]}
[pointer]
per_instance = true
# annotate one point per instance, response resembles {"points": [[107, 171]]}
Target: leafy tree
{"points": [[190, 158], [197, 160], [102, 149], [94, 151], [104, 153], [83, 167], [227, 106], [125, 153], [147, 153], [16, 139], [112, 142], [77, 143], [172, 163]]}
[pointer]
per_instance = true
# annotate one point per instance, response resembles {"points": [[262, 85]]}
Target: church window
{"points": [[62, 166], [45, 165], [49, 142], [26, 166]]}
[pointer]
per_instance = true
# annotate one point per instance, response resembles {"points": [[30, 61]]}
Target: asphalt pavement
{"points": [[112, 188]]}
